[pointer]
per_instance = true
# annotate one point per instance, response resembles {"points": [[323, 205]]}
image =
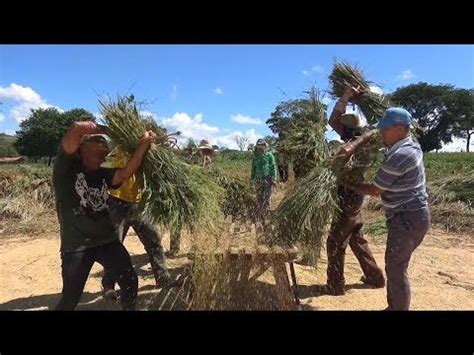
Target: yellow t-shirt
{"points": [[130, 190]]}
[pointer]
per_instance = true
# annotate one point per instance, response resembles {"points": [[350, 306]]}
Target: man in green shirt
{"points": [[264, 174], [88, 234]]}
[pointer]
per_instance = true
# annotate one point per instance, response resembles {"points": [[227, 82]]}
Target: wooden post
{"points": [[283, 288]]}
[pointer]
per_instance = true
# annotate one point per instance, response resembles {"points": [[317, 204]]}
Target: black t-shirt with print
{"points": [[81, 204]]}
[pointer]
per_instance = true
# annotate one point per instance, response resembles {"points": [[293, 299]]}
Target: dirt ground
{"points": [[441, 274]]}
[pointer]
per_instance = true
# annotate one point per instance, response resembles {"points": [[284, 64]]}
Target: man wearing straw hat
{"points": [[347, 228], [88, 234], [206, 151], [400, 182]]}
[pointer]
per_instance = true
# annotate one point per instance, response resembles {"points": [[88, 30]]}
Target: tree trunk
{"points": [[468, 141], [49, 161]]}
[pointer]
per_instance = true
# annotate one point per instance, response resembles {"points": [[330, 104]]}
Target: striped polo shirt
{"points": [[402, 177]]}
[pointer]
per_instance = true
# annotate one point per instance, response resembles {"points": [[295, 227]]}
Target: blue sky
{"points": [[208, 91]]}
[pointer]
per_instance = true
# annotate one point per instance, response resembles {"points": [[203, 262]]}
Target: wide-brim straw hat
{"points": [[351, 120], [205, 145]]}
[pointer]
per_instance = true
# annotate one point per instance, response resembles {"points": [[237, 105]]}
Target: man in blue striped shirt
{"points": [[400, 182]]}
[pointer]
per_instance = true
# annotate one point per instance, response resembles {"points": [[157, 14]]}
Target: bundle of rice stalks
{"points": [[211, 283], [305, 213], [345, 76], [190, 152], [239, 200], [363, 159], [174, 194], [304, 139], [305, 144]]}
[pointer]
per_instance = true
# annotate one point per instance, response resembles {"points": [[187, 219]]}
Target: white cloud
{"points": [[174, 93], [190, 127], [98, 115], [17, 92], [196, 128], [218, 91], [229, 139], [406, 75], [148, 113], [376, 89], [2, 117], [241, 119], [457, 145], [22, 100], [10, 132], [317, 69], [326, 100]]}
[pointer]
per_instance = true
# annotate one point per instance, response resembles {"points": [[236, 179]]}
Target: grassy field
{"points": [[27, 206], [6, 146]]}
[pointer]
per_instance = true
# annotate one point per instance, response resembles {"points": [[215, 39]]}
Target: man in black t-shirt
{"points": [[87, 232]]}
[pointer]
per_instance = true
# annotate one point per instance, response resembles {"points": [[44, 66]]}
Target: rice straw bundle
{"points": [[304, 140], [305, 212], [345, 76], [240, 196], [173, 193]]}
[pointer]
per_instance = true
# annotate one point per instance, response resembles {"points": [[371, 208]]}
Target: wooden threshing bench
{"points": [[243, 265]]}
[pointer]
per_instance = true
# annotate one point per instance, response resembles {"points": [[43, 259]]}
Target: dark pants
{"points": [[175, 241], [406, 231], [264, 194], [124, 216], [76, 267], [345, 230], [283, 172]]}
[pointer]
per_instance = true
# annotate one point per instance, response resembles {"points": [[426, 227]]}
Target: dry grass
{"points": [[26, 201]]}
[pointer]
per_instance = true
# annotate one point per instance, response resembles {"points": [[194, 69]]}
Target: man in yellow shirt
{"points": [[122, 205]]}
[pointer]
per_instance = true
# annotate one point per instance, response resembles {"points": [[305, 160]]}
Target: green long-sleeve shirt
{"points": [[263, 165]]}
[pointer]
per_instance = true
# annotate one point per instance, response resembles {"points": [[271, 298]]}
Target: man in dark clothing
{"points": [[87, 231], [347, 228]]}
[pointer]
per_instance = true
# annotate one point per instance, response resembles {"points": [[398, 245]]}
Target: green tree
{"points": [[462, 111], [294, 109], [271, 140], [431, 106], [41, 133]]}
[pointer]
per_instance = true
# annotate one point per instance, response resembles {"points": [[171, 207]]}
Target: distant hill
{"points": [[6, 146]]}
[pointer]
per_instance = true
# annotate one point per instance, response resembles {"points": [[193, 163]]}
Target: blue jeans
{"points": [[406, 230]]}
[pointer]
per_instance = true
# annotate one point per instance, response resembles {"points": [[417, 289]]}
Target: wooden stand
{"points": [[239, 263]]}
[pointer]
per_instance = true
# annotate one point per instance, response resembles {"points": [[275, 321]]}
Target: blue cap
{"points": [[394, 116]]}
